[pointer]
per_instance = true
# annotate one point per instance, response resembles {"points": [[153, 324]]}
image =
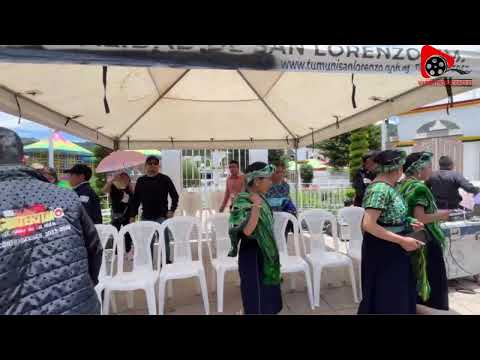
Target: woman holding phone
{"points": [[388, 281], [428, 262]]}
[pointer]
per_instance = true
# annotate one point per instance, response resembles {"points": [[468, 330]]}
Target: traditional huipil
{"points": [[258, 257], [388, 282], [428, 262]]}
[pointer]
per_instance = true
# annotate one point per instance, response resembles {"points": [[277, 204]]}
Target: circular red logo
{"points": [[58, 213]]}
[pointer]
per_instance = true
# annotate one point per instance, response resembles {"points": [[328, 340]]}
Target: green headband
{"points": [[420, 164], [267, 171], [393, 164]]}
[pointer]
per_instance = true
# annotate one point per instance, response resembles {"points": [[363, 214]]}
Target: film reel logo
{"points": [[435, 63]]}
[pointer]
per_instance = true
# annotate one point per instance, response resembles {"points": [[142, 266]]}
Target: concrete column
{"points": [[172, 166]]}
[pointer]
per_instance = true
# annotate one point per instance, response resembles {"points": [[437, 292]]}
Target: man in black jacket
{"points": [[364, 176], [80, 176], [50, 253], [445, 184], [152, 191]]}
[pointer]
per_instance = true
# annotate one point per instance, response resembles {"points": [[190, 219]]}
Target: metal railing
{"points": [[331, 197]]}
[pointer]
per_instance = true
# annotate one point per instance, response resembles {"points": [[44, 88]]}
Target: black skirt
{"points": [[437, 277], [388, 281], [257, 298]]}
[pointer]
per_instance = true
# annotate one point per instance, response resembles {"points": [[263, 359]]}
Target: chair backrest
{"points": [[142, 233], [219, 227], [181, 228], [315, 220], [353, 216], [280, 223], [105, 233]]}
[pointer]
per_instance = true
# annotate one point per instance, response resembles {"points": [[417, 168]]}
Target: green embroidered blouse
{"points": [[382, 196]]}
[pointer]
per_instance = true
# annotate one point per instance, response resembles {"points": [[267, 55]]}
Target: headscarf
{"points": [[420, 164], [267, 171], [390, 160]]}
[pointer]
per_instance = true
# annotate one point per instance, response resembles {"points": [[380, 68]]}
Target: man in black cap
{"points": [[152, 191], [80, 176], [364, 176], [50, 253]]}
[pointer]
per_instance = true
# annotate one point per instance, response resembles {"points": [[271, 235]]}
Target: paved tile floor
{"points": [[336, 297]]}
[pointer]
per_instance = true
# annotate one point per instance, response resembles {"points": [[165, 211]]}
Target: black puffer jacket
{"points": [[50, 253]]}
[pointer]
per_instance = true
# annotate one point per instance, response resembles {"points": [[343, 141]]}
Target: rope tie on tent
{"points": [[19, 109], [313, 139], [287, 140], [71, 118], [354, 91], [171, 140], [98, 128], [105, 101], [128, 142], [337, 124], [448, 88]]}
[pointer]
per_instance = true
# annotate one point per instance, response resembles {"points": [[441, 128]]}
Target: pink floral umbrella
{"points": [[120, 160]]}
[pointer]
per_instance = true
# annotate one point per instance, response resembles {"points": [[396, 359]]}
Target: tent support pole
{"points": [[297, 176], [51, 158]]}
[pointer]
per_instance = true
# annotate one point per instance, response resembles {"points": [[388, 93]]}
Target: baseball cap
{"points": [[153, 159], [80, 169]]}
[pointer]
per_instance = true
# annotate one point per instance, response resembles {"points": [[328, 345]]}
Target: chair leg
{"points": [[106, 302], [151, 302], [353, 281], [317, 277], [220, 286], [161, 296], [308, 283], [130, 301], [203, 286]]}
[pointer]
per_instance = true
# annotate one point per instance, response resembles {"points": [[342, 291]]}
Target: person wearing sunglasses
{"points": [[428, 262]]}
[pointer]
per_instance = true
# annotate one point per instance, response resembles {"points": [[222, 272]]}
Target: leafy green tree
{"points": [[358, 147], [336, 150], [306, 173], [99, 180], [374, 137]]}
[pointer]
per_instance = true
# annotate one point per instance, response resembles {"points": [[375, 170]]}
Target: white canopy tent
{"points": [[185, 107]]}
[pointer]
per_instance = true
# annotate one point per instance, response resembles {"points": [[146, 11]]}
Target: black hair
{"points": [[445, 163], [387, 157], [233, 162], [11, 147], [370, 155], [411, 159], [255, 167]]}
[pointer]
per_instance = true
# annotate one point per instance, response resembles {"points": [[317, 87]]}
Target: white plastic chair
{"points": [[105, 233], [318, 256], [291, 263], [183, 266], [353, 216], [221, 263], [142, 275]]}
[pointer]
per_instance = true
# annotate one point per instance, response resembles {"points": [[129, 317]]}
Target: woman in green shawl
{"points": [[251, 234], [428, 262]]}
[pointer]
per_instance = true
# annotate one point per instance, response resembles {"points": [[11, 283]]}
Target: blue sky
{"points": [[30, 129]]}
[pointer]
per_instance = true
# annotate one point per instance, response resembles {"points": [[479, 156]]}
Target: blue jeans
{"points": [[160, 220]]}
